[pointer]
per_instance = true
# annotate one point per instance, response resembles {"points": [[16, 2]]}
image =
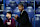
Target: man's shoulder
{"points": [[25, 12]]}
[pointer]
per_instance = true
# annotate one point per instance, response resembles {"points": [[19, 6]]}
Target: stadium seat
{"points": [[37, 21], [30, 11], [38, 10], [13, 4]]}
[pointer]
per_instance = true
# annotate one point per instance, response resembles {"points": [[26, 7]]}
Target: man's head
{"points": [[20, 7], [8, 15]]}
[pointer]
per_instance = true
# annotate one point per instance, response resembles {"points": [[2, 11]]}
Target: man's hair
{"points": [[9, 13], [21, 4]]}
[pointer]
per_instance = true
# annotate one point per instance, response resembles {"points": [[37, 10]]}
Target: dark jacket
{"points": [[12, 23], [1, 23], [24, 20]]}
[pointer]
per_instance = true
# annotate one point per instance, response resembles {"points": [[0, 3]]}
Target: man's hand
{"points": [[16, 16]]}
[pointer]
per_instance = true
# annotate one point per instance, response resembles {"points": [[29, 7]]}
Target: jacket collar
{"points": [[22, 12]]}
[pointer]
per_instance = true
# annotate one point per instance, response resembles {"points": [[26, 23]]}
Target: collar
{"points": [[22, 12], [9, 19]]}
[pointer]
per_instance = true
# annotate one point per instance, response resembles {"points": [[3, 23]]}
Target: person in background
{"points": [[10, 22], [1, 23], [23, 20]]}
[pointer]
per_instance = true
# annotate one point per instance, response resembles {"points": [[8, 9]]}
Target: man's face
{"points": [[20, 7], [8, 15]]}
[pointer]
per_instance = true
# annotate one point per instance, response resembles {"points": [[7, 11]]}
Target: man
{"points": [[10, 22], [23, 20]]}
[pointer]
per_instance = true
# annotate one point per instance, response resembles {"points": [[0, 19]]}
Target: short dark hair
{"points": [[21, 4], [9, 13]]}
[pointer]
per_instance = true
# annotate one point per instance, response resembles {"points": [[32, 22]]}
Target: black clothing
{"points": [[24, 20]]}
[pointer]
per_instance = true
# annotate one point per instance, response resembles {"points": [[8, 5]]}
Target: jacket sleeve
{"points": [[13, 22]]}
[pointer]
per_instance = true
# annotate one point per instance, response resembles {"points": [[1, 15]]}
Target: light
{"points": [[37, 18], [8, 7], [2, 15], [39, 7], [29, 7], [37, 15], [8, 10]]}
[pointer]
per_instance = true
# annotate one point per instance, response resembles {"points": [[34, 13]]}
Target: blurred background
{"points": [[37, 13], [12, 6]]}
